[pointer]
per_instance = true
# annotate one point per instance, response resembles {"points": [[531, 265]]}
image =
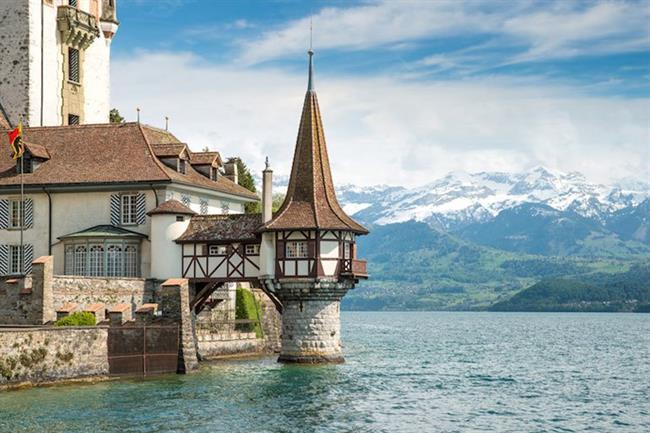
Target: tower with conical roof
{"points": [[314, 243]]}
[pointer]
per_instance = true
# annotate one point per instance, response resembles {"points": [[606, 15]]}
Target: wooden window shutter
{"points": [[115, 209], [4, 214], [29, 214], [29, 258], [141, 208], [4, 259]]}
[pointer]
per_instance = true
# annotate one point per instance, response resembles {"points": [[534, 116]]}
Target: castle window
{"points": [[105, 259], [185, 199], [114, 261], [129, 209], [79, 267], [346, 250], [217, 250], [131, 261], [225, 208], [180, 218], [14, 259], [181, 166], [96, 261], [297, 250], [73, 119], [252, 250], [214, 173], [204, 207], [73, 3], [73, 65], [15, 214]]}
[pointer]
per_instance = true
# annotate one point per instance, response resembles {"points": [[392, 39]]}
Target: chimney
{"points": [[267, 193], [230, 170]]}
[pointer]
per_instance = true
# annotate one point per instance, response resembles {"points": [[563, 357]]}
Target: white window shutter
{"points": [[4, 214], [29, 258], [141, 208], [29, 213], [115, 210], [4, 259]]}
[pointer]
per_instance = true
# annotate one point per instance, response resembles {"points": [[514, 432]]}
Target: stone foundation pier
{"points": [[311, 321]]}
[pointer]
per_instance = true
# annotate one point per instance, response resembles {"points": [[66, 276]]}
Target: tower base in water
{"points": [[311, 321]]}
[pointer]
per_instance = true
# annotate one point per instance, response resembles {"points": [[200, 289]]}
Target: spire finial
{"points": [[268, 165], [310, 83]]}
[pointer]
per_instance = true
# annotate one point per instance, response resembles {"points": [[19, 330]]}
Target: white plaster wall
{"points": [[215, 200], [267, 255], [96, 81], [72, 212], [165, 253]]}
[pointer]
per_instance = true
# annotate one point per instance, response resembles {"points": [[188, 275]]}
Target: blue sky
{"points": [[426, 86]]}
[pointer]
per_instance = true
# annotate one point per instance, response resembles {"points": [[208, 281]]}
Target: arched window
{"points": [[69, 260], [130, 261], [80, 260], [96, 261], [114, 261]]}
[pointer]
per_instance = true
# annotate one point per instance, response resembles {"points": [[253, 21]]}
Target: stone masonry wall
{"points": [[311, 331], [43, 355], [14, 58], [109, 291], [16, 306]]}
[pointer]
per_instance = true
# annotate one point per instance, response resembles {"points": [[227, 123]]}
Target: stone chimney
{"points": [[267, 193], [230, 170]]}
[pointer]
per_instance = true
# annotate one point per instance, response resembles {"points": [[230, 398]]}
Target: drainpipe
{"points": [[154, 193], [49, 222]]}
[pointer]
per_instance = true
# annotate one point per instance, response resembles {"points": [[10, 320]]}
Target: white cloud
{"points": [[538, 30], [381, 130]]}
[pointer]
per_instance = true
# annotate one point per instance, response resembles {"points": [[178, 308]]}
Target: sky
{"points": [[408, 90]]}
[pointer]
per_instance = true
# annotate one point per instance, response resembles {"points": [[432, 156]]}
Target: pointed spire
{"points": [[311, 201], [310, 83]]}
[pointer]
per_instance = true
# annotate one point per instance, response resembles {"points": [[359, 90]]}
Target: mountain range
{"points": [[466, 241]]}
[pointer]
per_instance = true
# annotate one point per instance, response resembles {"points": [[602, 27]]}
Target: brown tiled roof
{"points": [[37, 150], [236, 227], [206, 158], [168, 149], [100, 154], [159, 136], [311, 200], [172, 207]]}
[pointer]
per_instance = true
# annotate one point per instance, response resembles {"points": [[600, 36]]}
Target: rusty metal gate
{"points": [[143, 350]]}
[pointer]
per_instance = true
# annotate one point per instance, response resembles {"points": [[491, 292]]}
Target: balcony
{"points": [[78, 28], [354, 268]]}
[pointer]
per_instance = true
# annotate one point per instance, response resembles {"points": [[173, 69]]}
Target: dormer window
{"points": [[214, 173], [26, 165], [181, 166]]}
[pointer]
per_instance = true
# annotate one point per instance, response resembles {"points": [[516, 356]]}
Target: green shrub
{"points": [[247, 308], [77, 319]]}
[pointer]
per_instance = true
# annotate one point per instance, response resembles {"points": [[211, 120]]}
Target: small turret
{"points": [[313, 242], [108, 22]]}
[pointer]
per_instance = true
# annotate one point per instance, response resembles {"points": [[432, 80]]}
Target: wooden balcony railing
{"points": [[354, 268]]}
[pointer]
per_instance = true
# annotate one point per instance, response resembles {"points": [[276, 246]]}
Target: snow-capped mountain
{"points": [[459, 198]]}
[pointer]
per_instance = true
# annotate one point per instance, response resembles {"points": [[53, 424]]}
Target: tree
{"points": [[115, 116], [246, 180]]}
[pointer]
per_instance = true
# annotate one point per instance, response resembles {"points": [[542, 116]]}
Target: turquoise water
{"points": [[405, 372]]}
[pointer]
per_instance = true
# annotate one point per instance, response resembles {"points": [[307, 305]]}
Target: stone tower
{"points": [[54, 60], [314, 248]]}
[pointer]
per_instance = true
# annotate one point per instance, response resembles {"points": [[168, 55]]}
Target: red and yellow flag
{"points": [[16, 141]]}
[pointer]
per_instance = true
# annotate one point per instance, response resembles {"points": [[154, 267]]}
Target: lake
{"points": [[405, 372]]}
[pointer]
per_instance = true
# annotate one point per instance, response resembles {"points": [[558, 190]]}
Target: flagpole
{"points": [[22, 205]]}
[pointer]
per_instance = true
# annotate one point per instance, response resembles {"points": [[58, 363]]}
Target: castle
{"points": [[124, 201]]}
